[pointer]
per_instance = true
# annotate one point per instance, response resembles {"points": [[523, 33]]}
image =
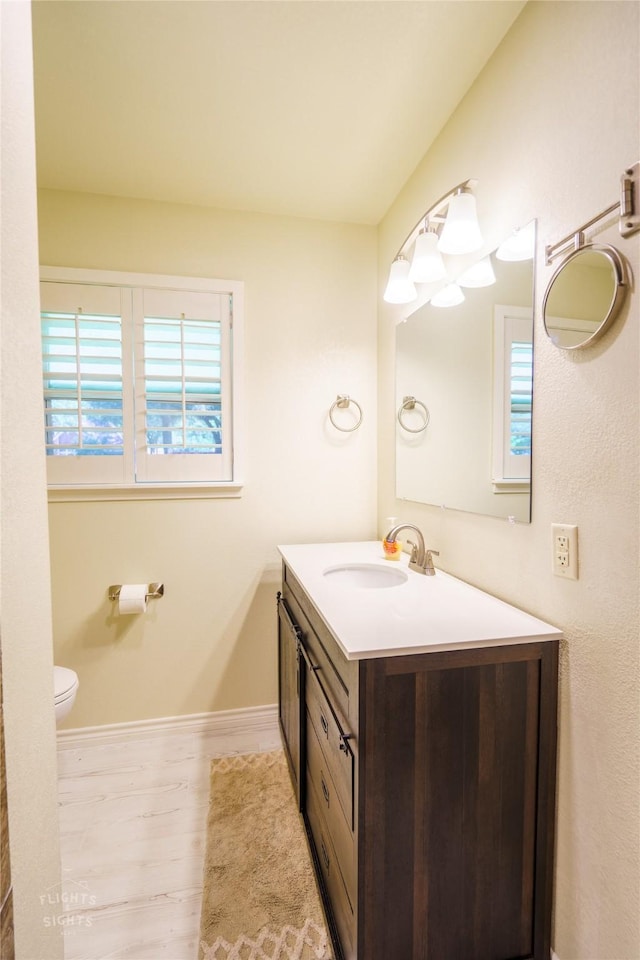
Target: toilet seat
{"points": [[65, 683]]}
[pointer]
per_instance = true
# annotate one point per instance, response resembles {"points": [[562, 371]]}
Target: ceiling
{"points": [[310, 108]]}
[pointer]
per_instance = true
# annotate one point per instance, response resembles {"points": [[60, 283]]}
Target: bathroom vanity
{"points": [[418, 716]]}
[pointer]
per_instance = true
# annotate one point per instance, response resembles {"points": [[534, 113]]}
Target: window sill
{"points": [[511, 486], [156, 491]]}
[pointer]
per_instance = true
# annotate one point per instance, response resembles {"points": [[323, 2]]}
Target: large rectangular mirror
{"points": [[464, 398]]}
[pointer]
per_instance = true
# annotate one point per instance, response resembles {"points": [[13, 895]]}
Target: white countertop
{"points": [[422, 615]]}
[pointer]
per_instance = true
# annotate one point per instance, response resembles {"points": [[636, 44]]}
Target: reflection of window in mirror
{"points": [[512, 398], [570, 332]]}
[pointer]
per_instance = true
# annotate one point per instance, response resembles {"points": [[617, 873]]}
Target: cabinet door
{"points": [[457, 832], [289, 700]]}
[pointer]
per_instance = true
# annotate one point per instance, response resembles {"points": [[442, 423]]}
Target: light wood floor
{"points": [[132, 825]]}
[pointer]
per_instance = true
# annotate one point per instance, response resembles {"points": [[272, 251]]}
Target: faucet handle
{"points": [[414, 551], [429, 568]]}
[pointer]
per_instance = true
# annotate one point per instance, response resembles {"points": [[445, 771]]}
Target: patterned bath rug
{"points": [[260, 900]]}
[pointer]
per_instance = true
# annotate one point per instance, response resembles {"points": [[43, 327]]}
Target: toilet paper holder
{"points": [[155, 591]]}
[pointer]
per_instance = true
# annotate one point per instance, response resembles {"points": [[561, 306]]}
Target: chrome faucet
{"points": [[421, 560]]}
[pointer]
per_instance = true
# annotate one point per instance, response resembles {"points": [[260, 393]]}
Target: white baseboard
{"points": [[250, 730]]}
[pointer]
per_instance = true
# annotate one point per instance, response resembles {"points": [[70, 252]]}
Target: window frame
{"points": [[164, 489], [506, 323]]}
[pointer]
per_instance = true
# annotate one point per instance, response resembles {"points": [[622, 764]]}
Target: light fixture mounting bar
{"points": [[434, 213], [628, 208]]}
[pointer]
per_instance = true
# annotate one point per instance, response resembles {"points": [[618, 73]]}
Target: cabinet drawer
{"points": [[334, 743], [331, 876], [340, 831]]}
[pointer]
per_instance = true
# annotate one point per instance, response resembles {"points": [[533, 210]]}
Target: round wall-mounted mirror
{"points": [[584, 295]]}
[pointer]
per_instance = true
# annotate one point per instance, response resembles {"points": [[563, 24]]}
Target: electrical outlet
{"points": [[565, 550]]}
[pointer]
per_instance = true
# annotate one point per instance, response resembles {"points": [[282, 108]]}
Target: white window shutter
{"points": [[84, 383], [183, 386]]}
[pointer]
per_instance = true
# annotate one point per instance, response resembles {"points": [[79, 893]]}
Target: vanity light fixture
{"points": [[480, 274], [400, 289], [427, 265], [461, 231], [520, 245], [449, 296], [453, 222]]}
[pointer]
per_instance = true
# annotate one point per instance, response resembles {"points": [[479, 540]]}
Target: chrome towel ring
{"points": [[410, 403], [341, 402]]}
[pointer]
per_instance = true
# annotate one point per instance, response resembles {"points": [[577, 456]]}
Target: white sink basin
{"points": [[365, 575]]}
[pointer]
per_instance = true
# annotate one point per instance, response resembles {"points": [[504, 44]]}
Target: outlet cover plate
{"points": [[565, 550]]}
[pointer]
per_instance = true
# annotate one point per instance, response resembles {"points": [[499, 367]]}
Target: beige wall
{"points": [[310, 305], [547, 129], [25, 615]]}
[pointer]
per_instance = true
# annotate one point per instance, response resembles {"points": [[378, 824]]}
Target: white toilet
{"points": [[65, 687]]}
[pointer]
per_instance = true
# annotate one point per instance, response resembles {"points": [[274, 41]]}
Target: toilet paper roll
{"points": [[133, 598]]}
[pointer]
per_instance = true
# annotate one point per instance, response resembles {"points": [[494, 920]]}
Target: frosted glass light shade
{"points": [[461, 233], [520, 245], [479, 275], [400, 289], [449, 296], [427, 264]]}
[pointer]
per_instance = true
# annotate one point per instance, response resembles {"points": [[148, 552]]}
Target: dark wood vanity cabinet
{"points": [[427, 785]]}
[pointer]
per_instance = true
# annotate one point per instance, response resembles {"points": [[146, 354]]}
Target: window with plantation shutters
{"points": [[513, 394], [139, 385]]}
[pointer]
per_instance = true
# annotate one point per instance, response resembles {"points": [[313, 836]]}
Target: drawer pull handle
{"points": [[325, 789], [293, 627], [325, 855], [303, 652], [325, 725]]}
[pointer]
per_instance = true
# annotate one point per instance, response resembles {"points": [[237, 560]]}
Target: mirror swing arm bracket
{"points": [[564, 331], [630, 200], [628, 207]]}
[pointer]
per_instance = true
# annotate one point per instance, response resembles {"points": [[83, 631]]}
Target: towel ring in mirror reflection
{"points": [[342, 402], [410, 403]]}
